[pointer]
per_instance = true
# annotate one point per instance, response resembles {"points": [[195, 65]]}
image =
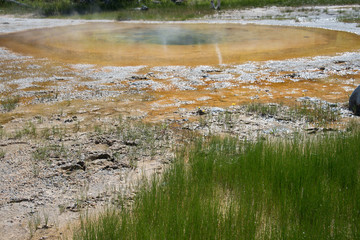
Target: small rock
{"points": [[19, 200], [200, 112], [131, 143], [72, 167], [96, 156]]}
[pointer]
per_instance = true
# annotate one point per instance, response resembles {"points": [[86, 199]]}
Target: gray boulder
{"points": [[354, 101]]}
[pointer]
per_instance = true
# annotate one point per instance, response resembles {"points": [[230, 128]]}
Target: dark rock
{"points": [[114, 167], [73, 167], [312, 130], [144, 8], [291, 75], [96, 156], [200, 112], [354, 101], [138, 77], [130, 143], [19, 200], [82, 164], [339, 62], [104, 140]]}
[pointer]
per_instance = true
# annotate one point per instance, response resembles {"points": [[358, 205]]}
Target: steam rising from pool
{"points": [[162, 35], [124, 44]]}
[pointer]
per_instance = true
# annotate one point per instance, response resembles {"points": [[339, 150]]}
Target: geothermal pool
{"points": [[158, 70], [125, 44]]}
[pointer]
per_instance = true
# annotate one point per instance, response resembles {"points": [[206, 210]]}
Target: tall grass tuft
{"points": [[227, 189]]}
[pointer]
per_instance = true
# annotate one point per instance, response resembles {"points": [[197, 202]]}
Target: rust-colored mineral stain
{"points": [[123, 44]]}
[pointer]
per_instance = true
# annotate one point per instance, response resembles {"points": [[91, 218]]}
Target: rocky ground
{"points": [[79, 138]]}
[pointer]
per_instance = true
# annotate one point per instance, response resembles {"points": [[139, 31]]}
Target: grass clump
{"points": [[262, 109], [313, 112], [227, 189], [10, 103], [48, 152], [2, 154], [318, 113], [28, 130], [350, 19]]}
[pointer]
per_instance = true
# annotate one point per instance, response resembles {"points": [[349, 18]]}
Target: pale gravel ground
{"points": [[14, 219]]}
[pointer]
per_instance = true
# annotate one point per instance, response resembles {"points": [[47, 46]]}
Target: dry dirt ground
{"points": [[83, 135]]}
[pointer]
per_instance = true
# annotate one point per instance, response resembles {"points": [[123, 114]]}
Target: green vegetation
{"points": [[10, 103], [46, 152], [228, 189], [317, 113], [160, 10], [2, 154], [262, 109], [312, 112], [29, 129], [350, 19]]}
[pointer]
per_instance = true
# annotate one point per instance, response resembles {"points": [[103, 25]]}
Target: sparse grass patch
{"points": [[28, 130], [350, 19], [262, 109], [317, 113], [2, 154], [313, 112], [10, 103], [2, 133], [51, 151]]}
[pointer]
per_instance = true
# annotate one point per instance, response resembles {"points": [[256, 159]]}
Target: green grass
{"points": [[28, 130], [262, 109], [164, 10], [174, 13], [228, 189], [350, 19], [2, 154], [10, 103], [316, 113]]}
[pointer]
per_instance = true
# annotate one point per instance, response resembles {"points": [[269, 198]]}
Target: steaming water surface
{"points": [[177, 44]]}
